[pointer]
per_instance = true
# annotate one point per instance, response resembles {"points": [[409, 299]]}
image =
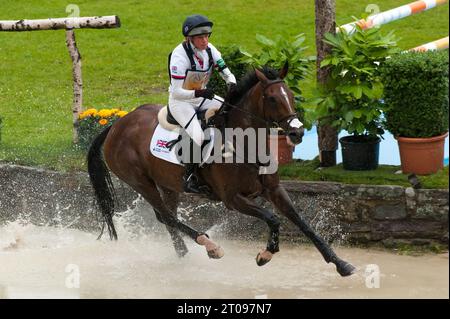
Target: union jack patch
{"points": [[174, 68], [161, 143]]}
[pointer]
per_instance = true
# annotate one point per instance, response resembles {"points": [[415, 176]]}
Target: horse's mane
{"points": [[247, 82]]}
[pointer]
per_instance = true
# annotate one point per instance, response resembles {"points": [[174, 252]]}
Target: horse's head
{"points": [[277, 104]]}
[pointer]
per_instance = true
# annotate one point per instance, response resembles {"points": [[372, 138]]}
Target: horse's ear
{"points": [[260, 75], [284, 70]]}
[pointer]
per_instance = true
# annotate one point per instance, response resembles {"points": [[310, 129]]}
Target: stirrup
{"points": [[191, 185]]}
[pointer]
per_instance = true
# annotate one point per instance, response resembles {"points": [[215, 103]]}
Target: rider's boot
{"points": [[190, 179]]}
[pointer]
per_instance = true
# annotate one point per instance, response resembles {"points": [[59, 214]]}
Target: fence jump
{"points": [[397, 14], [392, 15], [61, 23], [69, 24]]}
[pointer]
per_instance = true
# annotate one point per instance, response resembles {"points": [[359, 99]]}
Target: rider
{"points": [[190, 66]]}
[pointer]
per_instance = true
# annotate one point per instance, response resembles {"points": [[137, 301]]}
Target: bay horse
{"points": [[261, 97]]}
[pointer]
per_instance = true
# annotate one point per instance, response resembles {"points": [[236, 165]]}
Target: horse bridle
{"points": [[287, 118]]}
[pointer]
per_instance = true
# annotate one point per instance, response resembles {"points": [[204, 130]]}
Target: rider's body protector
{"points": [[190, 69]]}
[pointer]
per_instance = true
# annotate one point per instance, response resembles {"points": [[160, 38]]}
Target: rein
{"points": [[256, 117]]}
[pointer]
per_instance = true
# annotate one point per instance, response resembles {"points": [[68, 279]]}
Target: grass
{"points": [[126, 67], [384, 175]]}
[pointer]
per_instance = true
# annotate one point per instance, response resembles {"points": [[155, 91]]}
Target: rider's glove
{"points": [[206, 93]]}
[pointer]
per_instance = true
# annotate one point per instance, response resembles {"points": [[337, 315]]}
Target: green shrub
{"points": [[232, 57], [350, 99], [275, 53], [91, 122], [416, 94]]}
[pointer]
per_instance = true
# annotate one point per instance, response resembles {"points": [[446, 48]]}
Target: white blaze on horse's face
{"points": [[295, 123], [283, 92]]}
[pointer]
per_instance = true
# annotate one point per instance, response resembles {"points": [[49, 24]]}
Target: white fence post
{"points": [[77, 81], [69, 24]]}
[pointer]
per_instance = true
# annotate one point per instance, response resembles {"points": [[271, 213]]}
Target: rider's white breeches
{"points": [[183, 111]]}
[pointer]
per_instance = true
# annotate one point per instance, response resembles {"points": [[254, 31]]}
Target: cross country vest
{"points": [[195, 79]]}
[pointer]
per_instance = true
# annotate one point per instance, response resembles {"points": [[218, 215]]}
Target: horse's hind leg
{"points": [[150, 192], [171, 200]]}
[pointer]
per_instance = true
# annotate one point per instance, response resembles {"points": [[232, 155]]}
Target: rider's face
{"points": [[200, 41]]}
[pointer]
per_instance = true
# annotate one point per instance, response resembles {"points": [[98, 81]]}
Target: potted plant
{"points": [[351, 97], [275, 53], [416, 97]]}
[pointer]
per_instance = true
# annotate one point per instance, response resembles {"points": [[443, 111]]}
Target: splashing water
{"points": [[43, 261]]}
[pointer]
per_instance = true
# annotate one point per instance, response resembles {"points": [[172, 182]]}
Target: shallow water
{"points": [[57, 262]]}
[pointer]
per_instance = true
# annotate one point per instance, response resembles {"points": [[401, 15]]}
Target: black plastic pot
{"points": [[360, 153]]}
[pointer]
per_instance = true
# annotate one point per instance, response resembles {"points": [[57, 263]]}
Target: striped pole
{"points": [[392, 15], [435, 45]]}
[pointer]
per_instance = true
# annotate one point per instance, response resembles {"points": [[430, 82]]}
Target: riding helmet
{"points": [[200, 23]]}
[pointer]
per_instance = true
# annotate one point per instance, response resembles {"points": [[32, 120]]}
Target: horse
{"points": [[260, 98]]}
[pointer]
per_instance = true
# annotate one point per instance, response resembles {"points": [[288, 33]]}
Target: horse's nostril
{"points": [[302, 132], [295, 135]]}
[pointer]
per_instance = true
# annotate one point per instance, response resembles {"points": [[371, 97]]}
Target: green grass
{"points": [[384, 175], [126, 67]]}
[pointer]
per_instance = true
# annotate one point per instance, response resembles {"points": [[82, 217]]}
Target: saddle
{"points": [[168, 133]]}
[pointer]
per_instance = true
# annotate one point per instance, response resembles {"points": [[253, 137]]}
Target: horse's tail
{"points": [[102, 184]]}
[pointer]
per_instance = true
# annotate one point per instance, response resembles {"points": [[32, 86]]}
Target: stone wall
{"points": [[338, 212]]}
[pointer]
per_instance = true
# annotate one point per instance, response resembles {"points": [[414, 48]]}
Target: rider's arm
{"points": [[228, 76], [178, 69], [179, 93], [219, 63]]}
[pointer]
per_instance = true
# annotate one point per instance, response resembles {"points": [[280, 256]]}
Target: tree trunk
{"points": [[325, 22], [60, 23], [77, 81]]}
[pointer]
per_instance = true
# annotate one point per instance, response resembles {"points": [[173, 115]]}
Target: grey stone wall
{"points": [[338, 212]]}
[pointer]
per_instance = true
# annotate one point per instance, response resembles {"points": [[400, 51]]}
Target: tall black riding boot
{"points": [[190, 179]]}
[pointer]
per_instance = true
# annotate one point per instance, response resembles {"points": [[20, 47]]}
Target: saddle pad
{"points": [[159, 149]]}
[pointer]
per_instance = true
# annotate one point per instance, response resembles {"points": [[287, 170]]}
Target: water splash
{"points": [[143, 264]]}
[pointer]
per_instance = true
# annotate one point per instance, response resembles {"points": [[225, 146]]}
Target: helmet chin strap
{"points": [[193, 45]]}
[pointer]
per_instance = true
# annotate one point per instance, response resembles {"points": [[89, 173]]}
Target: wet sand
{"points": [[51, 262]]}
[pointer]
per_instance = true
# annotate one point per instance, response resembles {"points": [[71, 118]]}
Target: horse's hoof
{"points": [[263, 257], [216, 253], [345, 269], [181, 252]]}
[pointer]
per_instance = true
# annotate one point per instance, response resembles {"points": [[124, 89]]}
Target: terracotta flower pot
{"points": [[284, 149], [422, 156]]}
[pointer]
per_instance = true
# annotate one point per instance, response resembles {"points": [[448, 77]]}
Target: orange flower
{"points": [[103, 122], [122, 113]]}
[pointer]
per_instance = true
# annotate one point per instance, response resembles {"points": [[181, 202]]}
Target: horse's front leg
{"points": [[280, 199], [248, 207]]}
